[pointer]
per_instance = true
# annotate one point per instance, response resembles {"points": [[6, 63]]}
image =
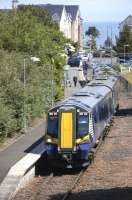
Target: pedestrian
{"points": [[82, 79], [75, 81], [85, 66], [85, 69]]}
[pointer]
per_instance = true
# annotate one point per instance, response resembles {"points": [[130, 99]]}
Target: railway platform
{"points": [[16, 151]]}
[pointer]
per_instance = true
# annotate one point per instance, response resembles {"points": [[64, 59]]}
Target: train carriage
{"points": [[75, 125]]}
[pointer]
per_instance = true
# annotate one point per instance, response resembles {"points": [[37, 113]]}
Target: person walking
{"points": [[82, 79], [85, 69], [75, 81]]}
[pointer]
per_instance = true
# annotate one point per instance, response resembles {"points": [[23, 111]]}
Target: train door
{"points": [[67, 128]]}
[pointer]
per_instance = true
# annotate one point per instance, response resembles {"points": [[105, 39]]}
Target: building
{"points": [[69, 20], [127, 21]]}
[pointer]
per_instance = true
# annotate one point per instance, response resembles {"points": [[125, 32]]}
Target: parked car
{"points": [[74, 61]]}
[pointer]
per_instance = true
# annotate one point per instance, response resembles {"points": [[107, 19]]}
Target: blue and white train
{"points": [[75, 125]]}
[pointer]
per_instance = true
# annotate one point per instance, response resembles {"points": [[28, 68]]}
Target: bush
{"points": [[30, 31], [117, 67], [8, 124]]}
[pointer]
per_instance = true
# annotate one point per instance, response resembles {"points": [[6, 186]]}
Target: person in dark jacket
{"points": [[75, 81]]}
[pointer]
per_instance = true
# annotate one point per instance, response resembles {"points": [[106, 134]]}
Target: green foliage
{"points": [[41, 15], [28, 32], [125, 37], [8, 124], [92, 33], [117, 67]]}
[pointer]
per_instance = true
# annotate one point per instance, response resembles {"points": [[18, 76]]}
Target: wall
{"points": [[65, 24]]}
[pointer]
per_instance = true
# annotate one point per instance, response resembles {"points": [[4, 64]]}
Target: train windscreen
{"points": [[52, 128], [82, 125]]}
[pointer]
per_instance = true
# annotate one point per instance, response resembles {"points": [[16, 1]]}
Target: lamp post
{"points": [[34, 60], [125, 45], [24, 99], [111, 56], [14, 4], [52, 81]]}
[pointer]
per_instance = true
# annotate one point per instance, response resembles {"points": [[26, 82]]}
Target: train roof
{"points": [[108, 81], [91, 94]]}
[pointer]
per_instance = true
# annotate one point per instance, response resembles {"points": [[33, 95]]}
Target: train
{"points": [[75, 125]]}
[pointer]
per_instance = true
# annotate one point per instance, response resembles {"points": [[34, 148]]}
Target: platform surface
{"points": [[16, 151]]}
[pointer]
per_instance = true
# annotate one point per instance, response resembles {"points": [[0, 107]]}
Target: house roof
{"points": [[72, 10], [53, 9], [128, 20]]}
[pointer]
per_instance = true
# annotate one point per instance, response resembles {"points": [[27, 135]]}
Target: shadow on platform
{"points": [[35, 144]]}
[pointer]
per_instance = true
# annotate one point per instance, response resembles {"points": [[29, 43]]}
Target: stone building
{"points": [[127, 21], [69, 20]]}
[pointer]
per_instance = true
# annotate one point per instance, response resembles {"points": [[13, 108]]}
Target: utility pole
{"points": [[107, 32], [24, 99], [52, 81], [14, 4], [14, 8], [111, 46]]}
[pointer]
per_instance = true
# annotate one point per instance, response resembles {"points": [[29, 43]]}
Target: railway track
{"points": [[58, 185], [73, 186]]}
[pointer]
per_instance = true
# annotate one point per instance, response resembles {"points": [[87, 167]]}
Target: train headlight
{"points": [[74, 149], [59, 149], [49, 140]]}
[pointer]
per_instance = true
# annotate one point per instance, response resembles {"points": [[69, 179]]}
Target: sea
{"points": [[110, 29]]}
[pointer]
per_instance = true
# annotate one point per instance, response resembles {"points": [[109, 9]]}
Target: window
{"points": [[82, 125], [52, 128]]}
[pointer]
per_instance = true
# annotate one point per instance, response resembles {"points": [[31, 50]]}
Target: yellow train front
{"points": [[67, 139]]}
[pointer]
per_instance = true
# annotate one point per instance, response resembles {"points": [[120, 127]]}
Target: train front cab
{"points": [[67, 129], [74, 136]]}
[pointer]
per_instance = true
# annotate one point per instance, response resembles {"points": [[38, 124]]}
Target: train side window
{"points": [[95, 116], [101, 112], [110, 105], [106, 110]]}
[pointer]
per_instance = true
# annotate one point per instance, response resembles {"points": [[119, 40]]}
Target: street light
{"points": [[111, 56], [34, 60], [24, 99], [52, 81], [125, 45]]}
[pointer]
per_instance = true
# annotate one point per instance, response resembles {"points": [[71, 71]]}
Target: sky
{"points": [[91, 10]]}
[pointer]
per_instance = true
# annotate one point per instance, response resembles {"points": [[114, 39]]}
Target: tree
{"points": [[28, 32], [92, 33], [125, 37], [32, 31]]}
